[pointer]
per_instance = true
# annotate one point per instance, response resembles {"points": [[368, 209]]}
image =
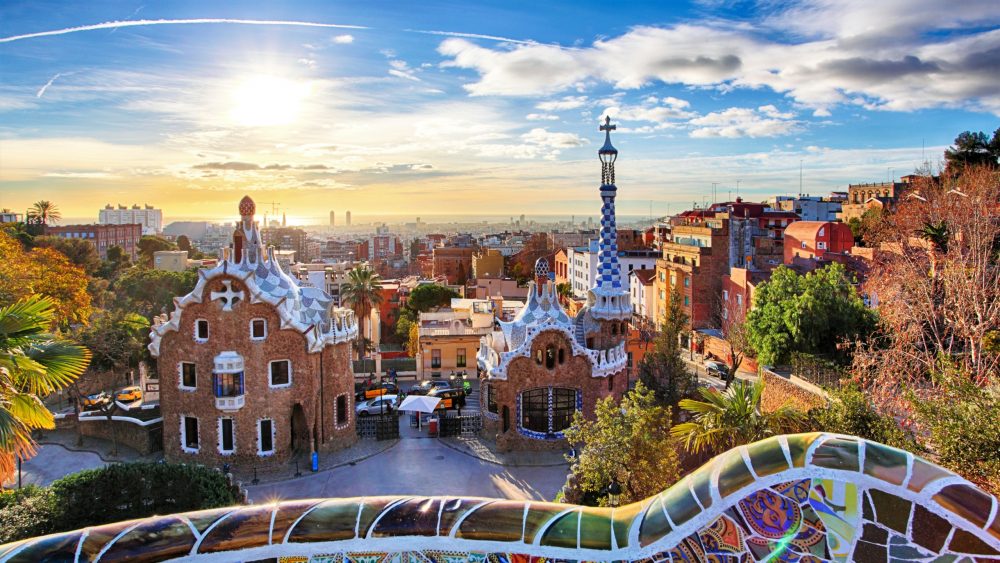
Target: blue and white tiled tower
{"points": [[606, 299]]}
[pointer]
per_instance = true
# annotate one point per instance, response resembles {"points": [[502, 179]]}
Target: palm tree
{"points": [[732, 418], [362, 291], [33, 364], [565, 291], [937, 235], [44, 212]]}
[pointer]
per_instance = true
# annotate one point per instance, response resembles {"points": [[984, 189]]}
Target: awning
{"points": [[419, 403]]}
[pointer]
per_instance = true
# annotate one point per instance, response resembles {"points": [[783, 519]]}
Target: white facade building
{"points": [[641, 293], [583, 262], [808, 208], [150, 218]]}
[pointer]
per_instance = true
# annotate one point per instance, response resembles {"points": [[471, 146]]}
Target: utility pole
{"points": [[800, 177], [715, 195], [738, 188]]}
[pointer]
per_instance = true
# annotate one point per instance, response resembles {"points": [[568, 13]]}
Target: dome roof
{"points": [[542, 268], [247, 206]]}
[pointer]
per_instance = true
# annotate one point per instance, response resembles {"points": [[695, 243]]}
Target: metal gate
{"points": [[379, 427], [467, 425]]}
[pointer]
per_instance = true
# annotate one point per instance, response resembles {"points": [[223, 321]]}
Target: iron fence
{"points": [[379, 427]]}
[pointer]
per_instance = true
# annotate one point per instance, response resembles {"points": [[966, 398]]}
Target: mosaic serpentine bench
{"points": [[802, 498]]}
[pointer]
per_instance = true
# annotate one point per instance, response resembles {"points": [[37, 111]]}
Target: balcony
{"points": [[234, 403]]}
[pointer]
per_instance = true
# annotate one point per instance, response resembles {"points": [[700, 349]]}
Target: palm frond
{"points": [[30, 410], [63, 363]]}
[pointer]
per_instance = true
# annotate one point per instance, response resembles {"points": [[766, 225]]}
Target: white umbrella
{"points": [[419, 403]]}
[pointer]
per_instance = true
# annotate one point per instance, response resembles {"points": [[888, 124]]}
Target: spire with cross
{"points": [[608, 281], [608, 154]]}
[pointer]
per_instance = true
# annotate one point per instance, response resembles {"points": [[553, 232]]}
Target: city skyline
{"points": [[478, 111]]}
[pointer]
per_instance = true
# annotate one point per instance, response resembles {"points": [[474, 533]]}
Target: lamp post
{"points": [[614, 492]]}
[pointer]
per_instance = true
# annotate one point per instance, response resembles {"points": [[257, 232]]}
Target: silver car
{"points": [[377, 405], [718, 369]]}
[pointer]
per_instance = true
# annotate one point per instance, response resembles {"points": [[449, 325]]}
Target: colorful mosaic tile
{"points": [[823, 499]]}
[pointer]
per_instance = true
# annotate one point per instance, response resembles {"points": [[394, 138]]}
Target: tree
{"points": [[117, 342], [565, 291], [938, 288], [151, 292], [362, 292], [864, 228], [812, 314], [724, 420], [429, 296], [151, 244], [46, 272], [734, 337], [80, 252], [44, 212], [117, 261], [413, 341], [33, 364], [629, 443], [184, 243], [852, 412], [662, 369], [972, 149]]}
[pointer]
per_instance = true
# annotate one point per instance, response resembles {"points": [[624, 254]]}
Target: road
{"points": [[53, 462], [420, 466]]}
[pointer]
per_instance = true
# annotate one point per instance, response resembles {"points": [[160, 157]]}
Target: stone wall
{"points": [[779, 391], [143, 439]]}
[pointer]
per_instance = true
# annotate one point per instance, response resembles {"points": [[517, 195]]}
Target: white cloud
{"points": [[343, 39], [543, 137], [743, 122], [308, 63], [401, 69], [569, 102], [899, 55], [664, 113], [541, 117]]}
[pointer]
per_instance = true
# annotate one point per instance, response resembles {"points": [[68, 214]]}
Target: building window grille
{"points": [[228, 384], [548, 409], [435, 358], [460, 358]]}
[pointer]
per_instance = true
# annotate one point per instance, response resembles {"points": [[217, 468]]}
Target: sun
{"points": [[267, 101]]}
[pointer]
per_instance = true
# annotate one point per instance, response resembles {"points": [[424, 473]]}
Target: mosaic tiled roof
{"points": [[805, 498]]}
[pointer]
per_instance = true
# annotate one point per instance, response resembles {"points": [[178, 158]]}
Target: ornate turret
{"points": [[606, 300], [246, 237]]}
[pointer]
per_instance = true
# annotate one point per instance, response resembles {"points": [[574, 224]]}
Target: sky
{"points": [[479, 108]]}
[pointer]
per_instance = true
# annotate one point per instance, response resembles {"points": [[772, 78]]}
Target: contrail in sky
{"points": [[472, 36], [138, 23], [41, 91]]}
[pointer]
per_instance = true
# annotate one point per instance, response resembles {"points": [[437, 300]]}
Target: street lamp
{"points": [[614, 492]]}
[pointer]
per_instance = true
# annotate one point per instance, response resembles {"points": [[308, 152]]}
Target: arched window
{"points": [[538, 356], [550, 356], [562, 356], [614, 328]]}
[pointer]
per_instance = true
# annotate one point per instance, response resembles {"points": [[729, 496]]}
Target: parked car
{"points": [[450, 398], [718, 369], [96, 400], [427, 385], [383, 404], [375, 390], [128, 395]]}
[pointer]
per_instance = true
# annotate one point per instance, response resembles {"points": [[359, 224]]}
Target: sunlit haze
{"points": [[489, 109]]}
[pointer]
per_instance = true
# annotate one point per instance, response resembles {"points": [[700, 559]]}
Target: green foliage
{"points": [[111, 494], [662, 369], [811, 314], [852, 412], [184, 243], [150, 244], [116, 263], [972, 149], [79, 251], [33, 364], [26, 513], [629, 443], [117, 339], [864, 229], [722, 421], [961, 418], [44, 213], [150, 292], [425, 297]]}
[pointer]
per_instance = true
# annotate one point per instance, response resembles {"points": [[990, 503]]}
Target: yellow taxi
{"points": [[128, 395]]}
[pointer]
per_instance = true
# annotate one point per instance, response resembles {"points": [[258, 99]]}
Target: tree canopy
{"points": [[150, 244], [811, 314], [629, 443], [80, 252], [425, 297], [972, 148], [150, 292], [662, 369], [46, 272]]}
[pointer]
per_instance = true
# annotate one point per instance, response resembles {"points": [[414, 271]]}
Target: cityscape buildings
{"points": [[149, 217], [103, 237]]}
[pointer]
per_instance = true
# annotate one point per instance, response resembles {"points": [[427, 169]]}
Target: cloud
{"points": [[309, 63], [541, 117], [898, 55], [732, 123], [663, 112], [543, 137], [141, 23], [569, 102], [401, 69], [86, 175], [344, 39], [248, 166]]}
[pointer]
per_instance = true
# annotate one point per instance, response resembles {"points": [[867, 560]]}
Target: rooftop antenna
{"points": [[715, 186], [800, 177], [738, 188]]}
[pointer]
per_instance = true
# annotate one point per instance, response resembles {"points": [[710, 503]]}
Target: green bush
{"points": [[111, 494], [851, 412], [26, 513]]}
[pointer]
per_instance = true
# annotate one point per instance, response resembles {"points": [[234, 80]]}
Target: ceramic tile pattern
{"points": [[809, 498]]}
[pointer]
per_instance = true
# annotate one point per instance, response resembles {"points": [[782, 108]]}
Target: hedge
{"points": [[111, 494]]}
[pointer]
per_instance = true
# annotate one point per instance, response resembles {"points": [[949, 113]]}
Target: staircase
{"points": [[581, 333]]}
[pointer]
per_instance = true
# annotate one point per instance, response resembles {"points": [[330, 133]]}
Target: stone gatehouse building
{"points": [[252, 366]]}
